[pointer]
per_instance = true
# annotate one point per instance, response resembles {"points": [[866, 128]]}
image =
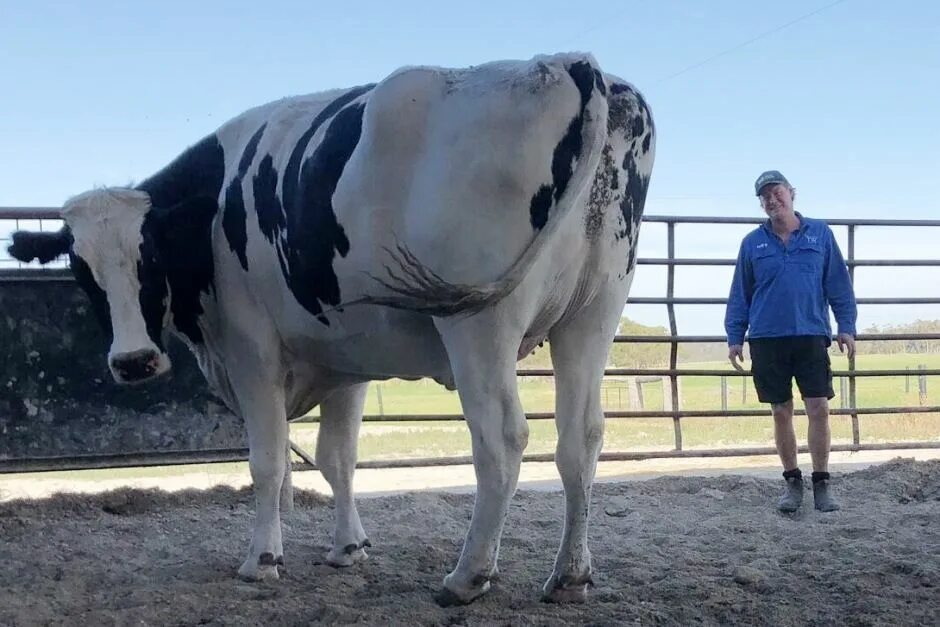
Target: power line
{"points": [[607, 22], [747, 43]]}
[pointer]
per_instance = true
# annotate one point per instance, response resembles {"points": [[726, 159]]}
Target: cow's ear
{"points": [[29, 245]]}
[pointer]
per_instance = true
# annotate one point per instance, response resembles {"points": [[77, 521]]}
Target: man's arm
{"points": [[739, 299], [837, 287]]}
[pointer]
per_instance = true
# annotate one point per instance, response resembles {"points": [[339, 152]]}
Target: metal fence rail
{"points": [[49, 216]]}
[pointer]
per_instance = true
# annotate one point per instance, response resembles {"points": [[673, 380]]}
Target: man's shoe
{"points": [[793, 497], [821, 496]]}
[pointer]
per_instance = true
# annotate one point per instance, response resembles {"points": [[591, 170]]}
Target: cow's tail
{"points": [[415, 287]]}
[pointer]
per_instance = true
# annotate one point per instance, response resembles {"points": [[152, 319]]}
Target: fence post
{"points": [[922, 385], [744, 390], [378, 393], [724, 393], [853, 383], [843, 396], [907, 380], [673, 332]]}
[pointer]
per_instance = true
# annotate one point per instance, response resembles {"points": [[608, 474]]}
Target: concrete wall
{"points": [[57, 397]]}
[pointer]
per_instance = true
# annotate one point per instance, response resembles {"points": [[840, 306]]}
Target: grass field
{"points": [[428, 439]]}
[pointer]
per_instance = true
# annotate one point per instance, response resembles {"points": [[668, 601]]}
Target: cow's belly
{"points": [[372, 343]]}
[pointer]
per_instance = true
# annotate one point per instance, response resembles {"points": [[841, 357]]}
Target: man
{"points": [[789, 272]]}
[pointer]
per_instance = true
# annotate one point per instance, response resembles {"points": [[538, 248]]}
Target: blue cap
{"points": [[769, 178]]}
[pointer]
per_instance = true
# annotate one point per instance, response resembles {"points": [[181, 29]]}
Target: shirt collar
{"points": [[768, 227]]}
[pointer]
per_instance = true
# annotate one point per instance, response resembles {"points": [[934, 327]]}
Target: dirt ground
{"points": [[671, 550]]}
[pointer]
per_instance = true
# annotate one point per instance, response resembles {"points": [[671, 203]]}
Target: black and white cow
{"points": [[440, 223]]}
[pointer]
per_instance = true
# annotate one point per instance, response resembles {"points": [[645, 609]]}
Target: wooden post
{"points": [[724, 393], [667, 394], [922, 385]]}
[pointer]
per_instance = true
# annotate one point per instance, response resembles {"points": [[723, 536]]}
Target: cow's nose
{"points": [[137, 365]]}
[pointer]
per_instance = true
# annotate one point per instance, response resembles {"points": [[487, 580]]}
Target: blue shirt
{"points": [[783, 290]]}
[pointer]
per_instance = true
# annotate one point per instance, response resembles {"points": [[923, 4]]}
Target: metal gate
{"points": [[11, 271]]}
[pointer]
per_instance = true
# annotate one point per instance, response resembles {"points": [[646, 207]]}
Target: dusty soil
{"points": [[672, 550]]}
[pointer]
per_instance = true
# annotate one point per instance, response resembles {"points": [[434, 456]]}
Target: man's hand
{"points": [[846, 341], [736, 355]]}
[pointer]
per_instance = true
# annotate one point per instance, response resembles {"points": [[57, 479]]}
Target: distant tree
{"points": [[886, 347], [638, 354]]}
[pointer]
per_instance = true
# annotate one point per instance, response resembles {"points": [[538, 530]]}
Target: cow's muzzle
{"points": [[138, 366]]}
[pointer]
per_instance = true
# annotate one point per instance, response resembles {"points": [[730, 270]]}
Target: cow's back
{"points": [[462, 169], [449, 163]]}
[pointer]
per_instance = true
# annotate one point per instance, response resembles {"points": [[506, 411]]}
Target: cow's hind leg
{"points": [[287, 485], [579, 350], [482, 352], [337, 440]]}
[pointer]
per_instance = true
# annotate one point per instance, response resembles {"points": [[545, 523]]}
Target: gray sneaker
{"points": [[821, 497], [793, 497]]}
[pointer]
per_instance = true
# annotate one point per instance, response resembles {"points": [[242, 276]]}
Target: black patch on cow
{"points": [[199, 171], [313, 233], [177, 252], [619, 88], [645, 113], [97, 296], [233, 216], [303, 227], [541, 203], [631, 205], [567, 151], [637, 127], [599, 82], [271, 219], [177, 237], [292, 172]]}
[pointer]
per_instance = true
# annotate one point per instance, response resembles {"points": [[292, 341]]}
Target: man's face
{"points": [[776, 199]]}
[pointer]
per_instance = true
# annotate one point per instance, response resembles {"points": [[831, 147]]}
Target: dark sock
{"points": [[820, 476], [796, 474]]}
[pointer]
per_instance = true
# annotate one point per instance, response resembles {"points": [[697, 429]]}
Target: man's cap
{"points": [[769, 178]]}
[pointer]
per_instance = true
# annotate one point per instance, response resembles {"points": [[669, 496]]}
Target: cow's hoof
{"points": [[264, 568], [453, 594], [348, 555], [566, 590]]}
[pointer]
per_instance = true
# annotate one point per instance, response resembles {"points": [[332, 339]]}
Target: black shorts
{"points": [[775, 361]]}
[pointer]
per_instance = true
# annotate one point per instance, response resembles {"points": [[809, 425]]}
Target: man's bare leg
{"points": [[820, 440], [785, 438]]}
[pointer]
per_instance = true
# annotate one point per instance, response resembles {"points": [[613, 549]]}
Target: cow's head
{"points": [[111, 237]]}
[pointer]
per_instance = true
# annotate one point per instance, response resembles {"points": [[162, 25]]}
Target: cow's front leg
{"points": [[483, 356], [337, 440], [263, 410]]}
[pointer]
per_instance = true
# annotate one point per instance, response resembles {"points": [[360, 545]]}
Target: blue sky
{"points": [[844, 102]]}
